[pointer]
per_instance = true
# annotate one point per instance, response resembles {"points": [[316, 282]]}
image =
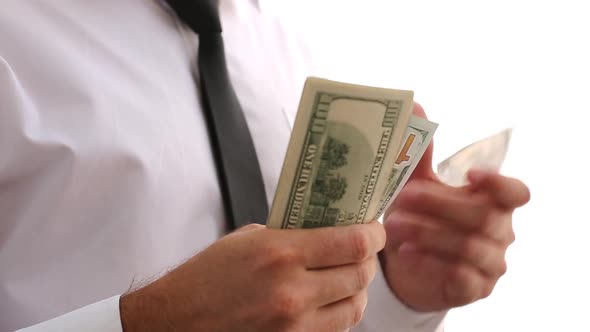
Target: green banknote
{"points": [[352, 150], [417, 138], [343, 146]]}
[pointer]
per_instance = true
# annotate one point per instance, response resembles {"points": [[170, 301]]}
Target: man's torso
{"points": [[106, 174]]}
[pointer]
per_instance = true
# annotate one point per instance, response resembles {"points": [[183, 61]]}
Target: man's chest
{"points": [[114, 89]]}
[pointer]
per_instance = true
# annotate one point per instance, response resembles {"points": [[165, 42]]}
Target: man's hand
{"points": [[446, 246], [260, 279]]}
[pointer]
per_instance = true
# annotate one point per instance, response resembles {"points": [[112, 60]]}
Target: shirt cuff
{"points": [[101, 316], [386, 313]]}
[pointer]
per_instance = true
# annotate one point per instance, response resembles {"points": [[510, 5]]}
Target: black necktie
{"points": [[239, 173]]}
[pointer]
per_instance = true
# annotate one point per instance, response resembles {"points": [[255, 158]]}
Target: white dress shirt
{"points": [[106, 172]]}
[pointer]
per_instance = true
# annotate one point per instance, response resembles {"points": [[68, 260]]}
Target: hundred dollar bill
{"points": [[341, 151], [417, 137], [487, 153]]}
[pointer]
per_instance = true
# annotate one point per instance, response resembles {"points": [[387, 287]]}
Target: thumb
{"points": [[424, 168]]}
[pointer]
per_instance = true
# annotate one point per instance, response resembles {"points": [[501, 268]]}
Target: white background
{"points": [[478, 67]]}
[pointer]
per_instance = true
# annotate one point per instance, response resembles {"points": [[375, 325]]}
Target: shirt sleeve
{"points": [[101, 316], [386, 313]]}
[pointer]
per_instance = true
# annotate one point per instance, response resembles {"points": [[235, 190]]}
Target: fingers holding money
{"points": [[454, 223], [510, 193], [459, 207], [342, 315], [333, 299], [331, 285], [335, 246], [330, 271], [480, 252]]}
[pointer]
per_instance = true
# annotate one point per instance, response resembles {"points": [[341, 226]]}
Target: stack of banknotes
{"points": [[353, 148]]}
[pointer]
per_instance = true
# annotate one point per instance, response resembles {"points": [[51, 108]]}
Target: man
{"points": [[108, 180]]}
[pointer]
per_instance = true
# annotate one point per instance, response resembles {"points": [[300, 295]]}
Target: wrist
{"points": [[145, 309]]}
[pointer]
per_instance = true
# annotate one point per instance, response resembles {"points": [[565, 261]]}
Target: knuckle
{"points": [[487, 291], [511, 236], [502, 268], [360, 244], [457, 275], [459, 288], [363, 276], [287, 304], [471, 248], [281, 255]]}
